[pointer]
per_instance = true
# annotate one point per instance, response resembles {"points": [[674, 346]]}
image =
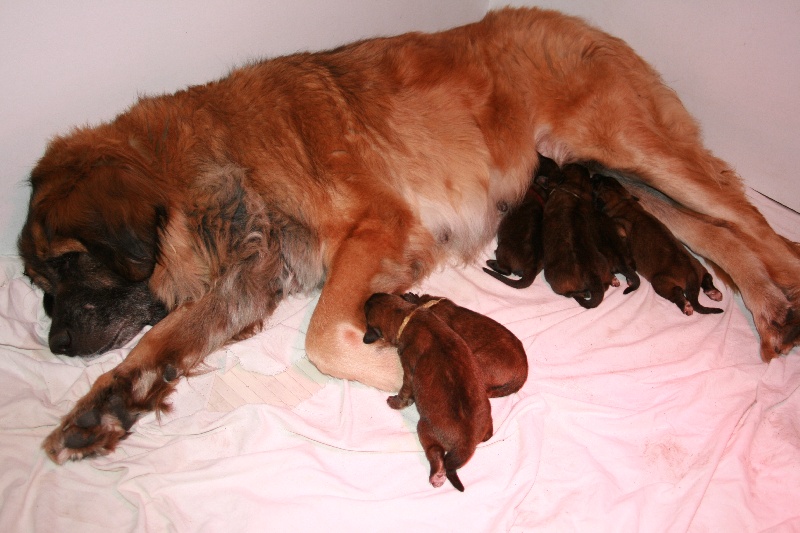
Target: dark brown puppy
{"points": [[519, 236], [500, 355], [674, 273], [574, 264], [441, 375]]}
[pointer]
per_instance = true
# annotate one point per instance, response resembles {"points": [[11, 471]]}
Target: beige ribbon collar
{"points": [[426, 305]]}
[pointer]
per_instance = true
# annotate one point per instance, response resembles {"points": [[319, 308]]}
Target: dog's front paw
{"points": [[94, 427]]}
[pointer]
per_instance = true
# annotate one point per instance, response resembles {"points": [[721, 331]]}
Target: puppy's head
{"points": [[90, 242], [385, 313], [608, 192]]}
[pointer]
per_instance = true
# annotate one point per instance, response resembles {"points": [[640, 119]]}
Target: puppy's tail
{"points": [[633, 280], [692, 293], [595, 291], [453, 460], [525, 281], [452, 476]]}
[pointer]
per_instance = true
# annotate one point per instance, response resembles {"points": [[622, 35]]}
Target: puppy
{"points": [[674, 273], [574, 264], [519, 236], [441, 375], [500, 355]]}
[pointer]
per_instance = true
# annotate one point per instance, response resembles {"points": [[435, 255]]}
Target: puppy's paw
{"points": [[437, 479], [94, 427], [714, 294], [397, 402]]}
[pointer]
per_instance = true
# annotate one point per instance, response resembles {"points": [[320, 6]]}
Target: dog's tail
{"points": [[633, 280], [453, 460], [525, 281], [595, 293], [692, 294]]}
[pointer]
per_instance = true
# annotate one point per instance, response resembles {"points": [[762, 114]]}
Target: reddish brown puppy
{"points": [[519, 236], [574, 263], [500, 355], [440, 375], [674, 273]]}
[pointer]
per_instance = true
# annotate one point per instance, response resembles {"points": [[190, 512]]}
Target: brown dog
{"points": [[500, 355], [519, 236], [674, 273], [440, 375], [357, 170], [577, 256]]}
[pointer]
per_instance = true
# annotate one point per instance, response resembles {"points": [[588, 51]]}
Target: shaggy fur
{"points": [[674, 273], [499, 353], [440, 375], [359, 170]]}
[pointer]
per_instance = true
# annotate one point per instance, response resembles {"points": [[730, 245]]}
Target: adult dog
{"points": [[358, 170]]}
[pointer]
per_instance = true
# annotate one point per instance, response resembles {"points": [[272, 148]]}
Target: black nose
{"points": [[60, 342]]}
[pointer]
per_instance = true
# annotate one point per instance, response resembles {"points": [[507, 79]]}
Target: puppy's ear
{"points": [[372, 335], [410, 297]]}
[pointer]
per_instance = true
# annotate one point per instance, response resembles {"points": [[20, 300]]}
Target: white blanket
{"points": [[634, 418]]}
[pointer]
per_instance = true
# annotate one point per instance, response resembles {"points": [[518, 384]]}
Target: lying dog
{"points": [[357, 170], [519, 236], [440, 375], [672, 271], [500, 355], [574, 263]]}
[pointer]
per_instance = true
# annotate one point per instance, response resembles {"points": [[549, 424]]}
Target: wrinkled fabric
{"points": [[634, 418]]}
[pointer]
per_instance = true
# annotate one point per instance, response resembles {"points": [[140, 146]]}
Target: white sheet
{"points": [[634, 418]]}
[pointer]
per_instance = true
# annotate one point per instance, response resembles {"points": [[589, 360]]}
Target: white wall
{"points": [[735, 65], [71, 63]]}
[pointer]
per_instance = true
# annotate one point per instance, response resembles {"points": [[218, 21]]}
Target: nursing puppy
{"points": [[440, 375], [672, 271], [519, 236], [574, 266], [500, 355]]}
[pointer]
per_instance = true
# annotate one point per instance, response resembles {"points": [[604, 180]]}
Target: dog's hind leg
{"points": [[433, 452], [375, 257], [652, 140]]}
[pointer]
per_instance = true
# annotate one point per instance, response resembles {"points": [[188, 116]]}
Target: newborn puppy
{"points": [[613, 244], [660, 258], [441, 375], [499, 353], [574, 266], [519, 236]]}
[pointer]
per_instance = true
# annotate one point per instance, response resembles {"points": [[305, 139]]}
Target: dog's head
{"points": [[608, 192], [90, 242], [385, 313]]}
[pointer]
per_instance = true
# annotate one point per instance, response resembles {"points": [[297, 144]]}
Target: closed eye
{"points": [[63, 262]]}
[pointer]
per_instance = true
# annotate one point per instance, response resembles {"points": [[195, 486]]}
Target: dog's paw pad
{"points": [[437, 479], [87, 419], [714, 294]]}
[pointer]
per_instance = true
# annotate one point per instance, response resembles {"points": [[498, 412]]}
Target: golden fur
{"points": [[364, 168]]}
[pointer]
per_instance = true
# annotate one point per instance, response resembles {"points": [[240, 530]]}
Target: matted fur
{"points": [[362, 168]]}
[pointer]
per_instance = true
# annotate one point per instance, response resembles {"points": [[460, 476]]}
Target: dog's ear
{"points": [[372, 335], [102, 195]]}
